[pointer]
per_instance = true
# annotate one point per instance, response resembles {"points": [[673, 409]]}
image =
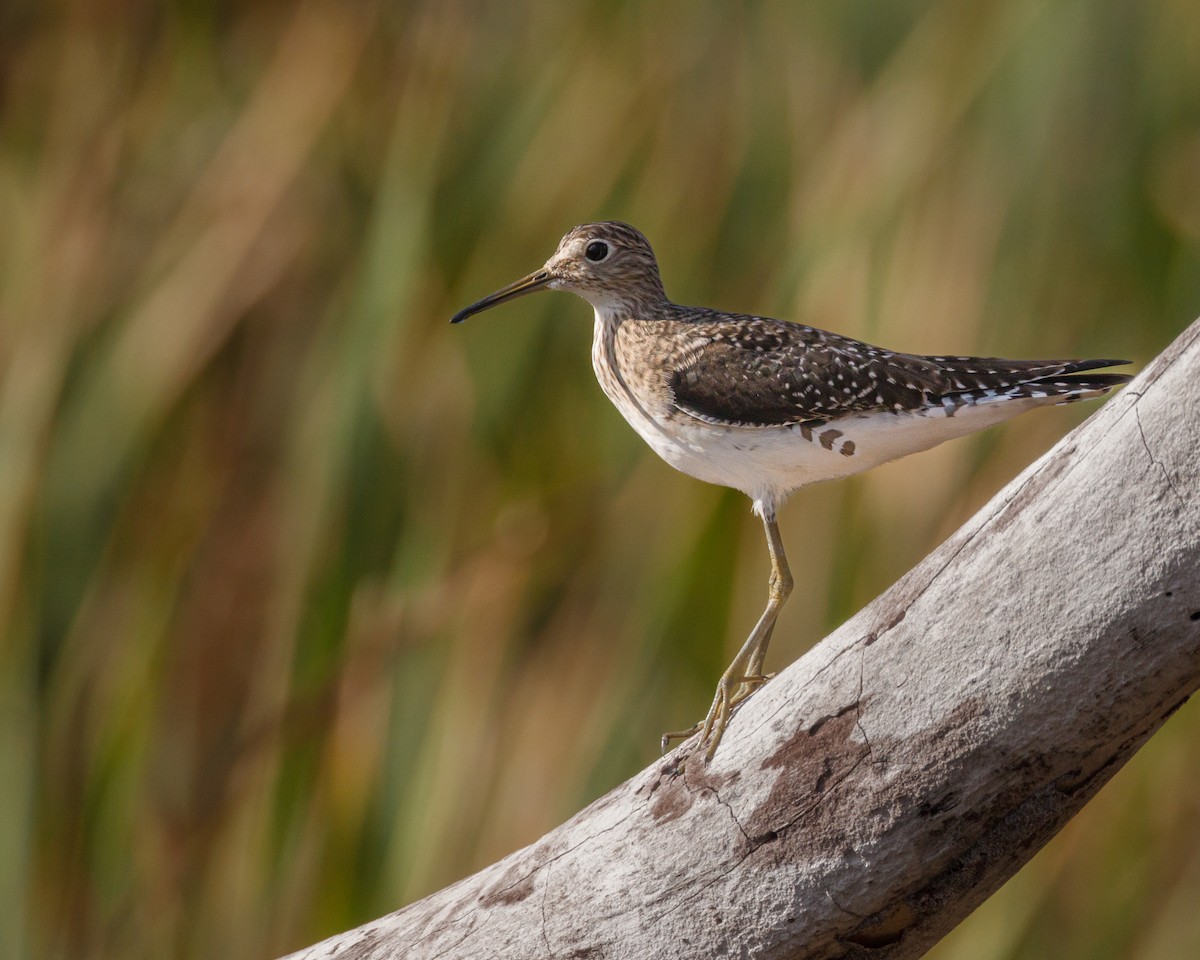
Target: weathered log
{"points": [[880, 788]]}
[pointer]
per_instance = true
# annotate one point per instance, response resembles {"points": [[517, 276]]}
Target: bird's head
{"points": [[609, 264]]}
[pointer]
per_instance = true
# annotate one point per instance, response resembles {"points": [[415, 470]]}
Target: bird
{"points": [[768, 406]]}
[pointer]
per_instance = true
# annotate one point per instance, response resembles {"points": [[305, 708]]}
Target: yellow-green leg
{"points": [[744, 675]]}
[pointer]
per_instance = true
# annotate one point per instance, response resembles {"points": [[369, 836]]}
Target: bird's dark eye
{"points": [[596, 251]]}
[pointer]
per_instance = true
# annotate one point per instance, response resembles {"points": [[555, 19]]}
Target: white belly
{"points": [[768, 463]]}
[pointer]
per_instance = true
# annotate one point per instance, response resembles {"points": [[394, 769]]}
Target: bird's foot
{"points": [[731, 692]]}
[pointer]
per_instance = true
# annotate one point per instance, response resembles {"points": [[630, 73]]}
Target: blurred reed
{"points": [[310, 605]]}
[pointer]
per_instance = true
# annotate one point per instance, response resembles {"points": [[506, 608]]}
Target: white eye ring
{"points": [[597, 251]]}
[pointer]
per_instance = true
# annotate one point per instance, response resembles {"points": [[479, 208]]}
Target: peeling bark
{"points": [[880, 788]]}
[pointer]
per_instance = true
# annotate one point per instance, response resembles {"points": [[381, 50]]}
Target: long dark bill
{"points": [[535, 281]]}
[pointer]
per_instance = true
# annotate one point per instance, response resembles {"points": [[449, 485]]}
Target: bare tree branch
{"points": [[883, 786]]}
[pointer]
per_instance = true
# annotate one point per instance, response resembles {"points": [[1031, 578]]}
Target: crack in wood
{"points": [[1154, 460]]}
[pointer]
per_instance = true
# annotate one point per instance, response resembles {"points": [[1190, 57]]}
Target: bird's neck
{"points": [[612, 312]]}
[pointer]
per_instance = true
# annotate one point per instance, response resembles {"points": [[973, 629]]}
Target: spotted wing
{"points": [[754, 371]]}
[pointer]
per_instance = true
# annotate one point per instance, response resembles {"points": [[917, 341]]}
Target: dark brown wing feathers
{"points": [[758, 371]]}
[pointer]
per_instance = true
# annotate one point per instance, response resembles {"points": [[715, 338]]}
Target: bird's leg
{"points": [[779, 587], [744, 675]]}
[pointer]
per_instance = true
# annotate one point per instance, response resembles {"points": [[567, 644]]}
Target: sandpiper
{"points": [[768, 406]]}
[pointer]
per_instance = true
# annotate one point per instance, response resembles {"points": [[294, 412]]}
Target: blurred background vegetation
{"points": [[310, 604]]}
